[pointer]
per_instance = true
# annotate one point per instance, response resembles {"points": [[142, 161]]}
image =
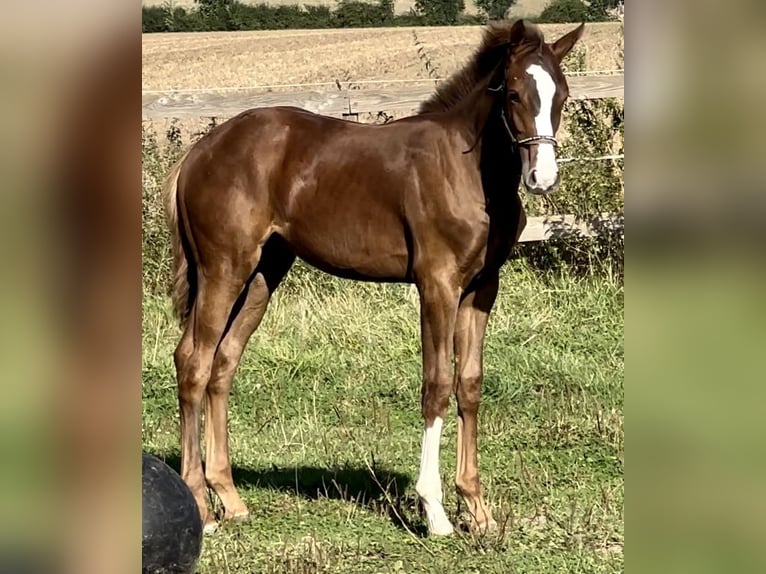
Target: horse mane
{"points": [[485, 60]]}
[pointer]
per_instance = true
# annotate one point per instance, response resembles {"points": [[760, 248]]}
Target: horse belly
{"points": [[351, 245]]}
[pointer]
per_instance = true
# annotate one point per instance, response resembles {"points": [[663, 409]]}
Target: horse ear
{"points": [[523, 32], [564, 45], [518, 33]]}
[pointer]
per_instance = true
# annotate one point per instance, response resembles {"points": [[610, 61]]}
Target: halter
{"points": [[530, 141], [533, 140]]}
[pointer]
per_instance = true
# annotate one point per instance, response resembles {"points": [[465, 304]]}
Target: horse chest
{"points": [[505, 226]]}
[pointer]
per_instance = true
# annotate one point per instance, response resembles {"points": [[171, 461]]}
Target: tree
{"points": [[216, 14], [439, 12], [494, 9], [578, 11], [599, 9]]}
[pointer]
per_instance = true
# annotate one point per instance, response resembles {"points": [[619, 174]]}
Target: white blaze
{"points": [[546, 166], [429, 485]]}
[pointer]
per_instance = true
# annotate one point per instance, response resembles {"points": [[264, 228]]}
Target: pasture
{"points": [[325, 430], [325, 422]]}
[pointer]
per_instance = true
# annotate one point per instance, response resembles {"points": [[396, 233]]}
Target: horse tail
{"points": [[184, 271]]}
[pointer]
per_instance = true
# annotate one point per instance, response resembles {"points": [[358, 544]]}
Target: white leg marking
{"points": [[429, 485], [547, 169]]}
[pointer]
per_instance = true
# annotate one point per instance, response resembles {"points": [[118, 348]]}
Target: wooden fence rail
{"points": [[563, 226], [334, 103]]}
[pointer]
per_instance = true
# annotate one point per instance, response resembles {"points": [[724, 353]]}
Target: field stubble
{"points": [[208, 60]]}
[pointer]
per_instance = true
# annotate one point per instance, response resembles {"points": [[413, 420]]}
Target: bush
{"points": [[439, 12], [356, 14], [411, 18], [153, 19], [216, 14], [494, 9], [562, 11], [471, 20], [233, 15], [265, 17]]}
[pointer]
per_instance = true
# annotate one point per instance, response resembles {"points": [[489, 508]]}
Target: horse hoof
{"points": [[443, 528], [210, 527], [242, 516], [483, 528]]}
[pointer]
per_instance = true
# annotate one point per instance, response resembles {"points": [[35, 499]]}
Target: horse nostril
{"points": [[532, 178]]}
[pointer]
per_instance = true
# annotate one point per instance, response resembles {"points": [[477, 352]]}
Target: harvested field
{"points": [[263, 58]]}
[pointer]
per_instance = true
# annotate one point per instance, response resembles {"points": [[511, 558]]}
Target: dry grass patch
{"points": [[229, 59]]}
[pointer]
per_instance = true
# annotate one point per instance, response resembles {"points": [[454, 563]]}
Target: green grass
{"points": [[325, 430]]}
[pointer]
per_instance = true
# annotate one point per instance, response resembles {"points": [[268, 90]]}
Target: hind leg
{"points": [[194, 362], [274, 265]]}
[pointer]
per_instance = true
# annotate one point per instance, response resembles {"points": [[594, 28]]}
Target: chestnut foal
{"points": [[430, 199]]}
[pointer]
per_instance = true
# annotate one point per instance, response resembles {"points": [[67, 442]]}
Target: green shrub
{"points": [[471, 20], [411, 18], [357, 14], [153, 19], [439, 12], [562, 11], [265, 17], [156, 161], [233, 15], [494, 9]]}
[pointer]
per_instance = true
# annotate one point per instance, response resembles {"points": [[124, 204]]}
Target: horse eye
{"points": [[513, 97]]}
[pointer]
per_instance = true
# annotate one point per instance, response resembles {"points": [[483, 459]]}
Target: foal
{"points": [[430, 199]]}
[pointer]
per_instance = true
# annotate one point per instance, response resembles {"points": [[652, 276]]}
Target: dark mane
{"points": [[494, 47]]}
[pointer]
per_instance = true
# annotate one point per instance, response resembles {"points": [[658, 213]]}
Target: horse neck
{"points": [[480, 119], [495, 156]]}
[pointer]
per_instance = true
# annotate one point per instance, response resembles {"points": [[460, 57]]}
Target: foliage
{"points": [[153, 19], [216, 14], [495, 9], [561, 11], [265, 17], [156, 160], [233, 15], [358, 14], [168, 19], [439, 12]]}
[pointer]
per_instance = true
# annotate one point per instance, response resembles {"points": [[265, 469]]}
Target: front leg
{"points": [[439, 298], [472, 318]]}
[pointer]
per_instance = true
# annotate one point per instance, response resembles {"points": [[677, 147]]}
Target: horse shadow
{"points": [[376, 489]]}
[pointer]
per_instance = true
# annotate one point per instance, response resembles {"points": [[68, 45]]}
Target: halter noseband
{"points": [[533, 140]]}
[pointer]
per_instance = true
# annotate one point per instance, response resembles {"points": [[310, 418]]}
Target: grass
{"points": [[325, 430]]}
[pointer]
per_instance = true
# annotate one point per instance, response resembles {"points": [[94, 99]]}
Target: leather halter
{"points": [[533, 140]]}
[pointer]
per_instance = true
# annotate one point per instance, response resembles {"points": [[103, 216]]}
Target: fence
{"points": [[352, 99]]}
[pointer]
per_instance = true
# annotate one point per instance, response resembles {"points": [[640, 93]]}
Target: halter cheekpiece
{"points": [[533, 140]]}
